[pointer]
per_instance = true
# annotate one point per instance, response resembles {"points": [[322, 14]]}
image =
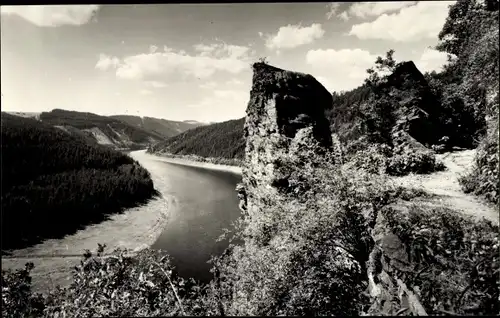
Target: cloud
{"points": [[157, 84], [365, 10], [174, 64], [209, 85], [292, 36], [421, 21], [106, 62], [53, 15], [431, 60], [327, 83], [223, 103], [234, 81], [145, 92], [340, 69], [344, 16], [332, 9]]}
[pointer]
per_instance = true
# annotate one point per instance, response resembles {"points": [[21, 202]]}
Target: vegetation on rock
{"points": [[454, 260]]}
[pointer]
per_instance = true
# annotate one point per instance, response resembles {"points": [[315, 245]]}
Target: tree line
{"points": [[54, 182]]}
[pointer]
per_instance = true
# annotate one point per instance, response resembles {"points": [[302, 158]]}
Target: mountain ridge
{"points": [[116, 131]]}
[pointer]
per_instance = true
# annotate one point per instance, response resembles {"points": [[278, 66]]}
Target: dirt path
{"points": [[444, 185]]}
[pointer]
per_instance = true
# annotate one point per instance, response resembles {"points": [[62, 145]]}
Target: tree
{"points": [[263, 60], [383, 67]]}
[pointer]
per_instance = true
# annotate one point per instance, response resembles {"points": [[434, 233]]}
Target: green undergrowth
{"points": [[483, 179], [397, 161], [454, 259]]}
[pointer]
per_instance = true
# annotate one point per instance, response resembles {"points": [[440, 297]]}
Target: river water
{"points": [[204, 202]]}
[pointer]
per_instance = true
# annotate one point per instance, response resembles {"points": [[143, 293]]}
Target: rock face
{"points": [[418, 107], [285, 114]]}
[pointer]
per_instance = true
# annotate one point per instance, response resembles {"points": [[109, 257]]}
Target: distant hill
{"points": [[33, 115], [54, 182], [220, 140], [162, 127], [101, 129]]}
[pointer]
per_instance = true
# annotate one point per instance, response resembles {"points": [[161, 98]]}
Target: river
{"points": [[196, 203], [204, 201]]}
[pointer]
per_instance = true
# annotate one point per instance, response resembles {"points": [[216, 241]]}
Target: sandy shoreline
{"points": [[193, 163], [54, 258]]}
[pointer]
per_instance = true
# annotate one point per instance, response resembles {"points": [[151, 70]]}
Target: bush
{"points": [[483, 179], [454, 259], [17, 297], [114, 285], [406, 160], [398, 161]]}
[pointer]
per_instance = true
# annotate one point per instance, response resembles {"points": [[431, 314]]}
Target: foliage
{"points": [[405, 160], [454, 259], [483, 179], [116, 284], [220, 140], [383, 67], [51, 178], [298, 258], [471, 33], [17, 297], [457, 118]]}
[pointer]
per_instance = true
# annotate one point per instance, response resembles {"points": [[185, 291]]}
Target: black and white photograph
{"points": [[250, 159]]}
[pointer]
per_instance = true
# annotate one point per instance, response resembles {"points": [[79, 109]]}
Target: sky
{"points": [[193, 61]]}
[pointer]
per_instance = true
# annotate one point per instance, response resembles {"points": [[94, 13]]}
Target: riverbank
{"points": [[135, 229], [195, 161]]}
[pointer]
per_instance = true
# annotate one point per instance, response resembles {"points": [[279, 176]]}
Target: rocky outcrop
{"points": [[418, 107], [285, 115], [295, 257]]}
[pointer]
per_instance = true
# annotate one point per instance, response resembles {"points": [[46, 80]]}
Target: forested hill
{"points": [[159, 126], [104, 130], [220, 140], [54, 182]]}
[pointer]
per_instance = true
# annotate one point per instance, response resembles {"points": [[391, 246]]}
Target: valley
{"points": [[326, 180]]}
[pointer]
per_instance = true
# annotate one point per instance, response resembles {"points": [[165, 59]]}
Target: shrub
{"points": [[455, 259], [483, 179], [112, 285], [405, 160], [17, 297]]}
